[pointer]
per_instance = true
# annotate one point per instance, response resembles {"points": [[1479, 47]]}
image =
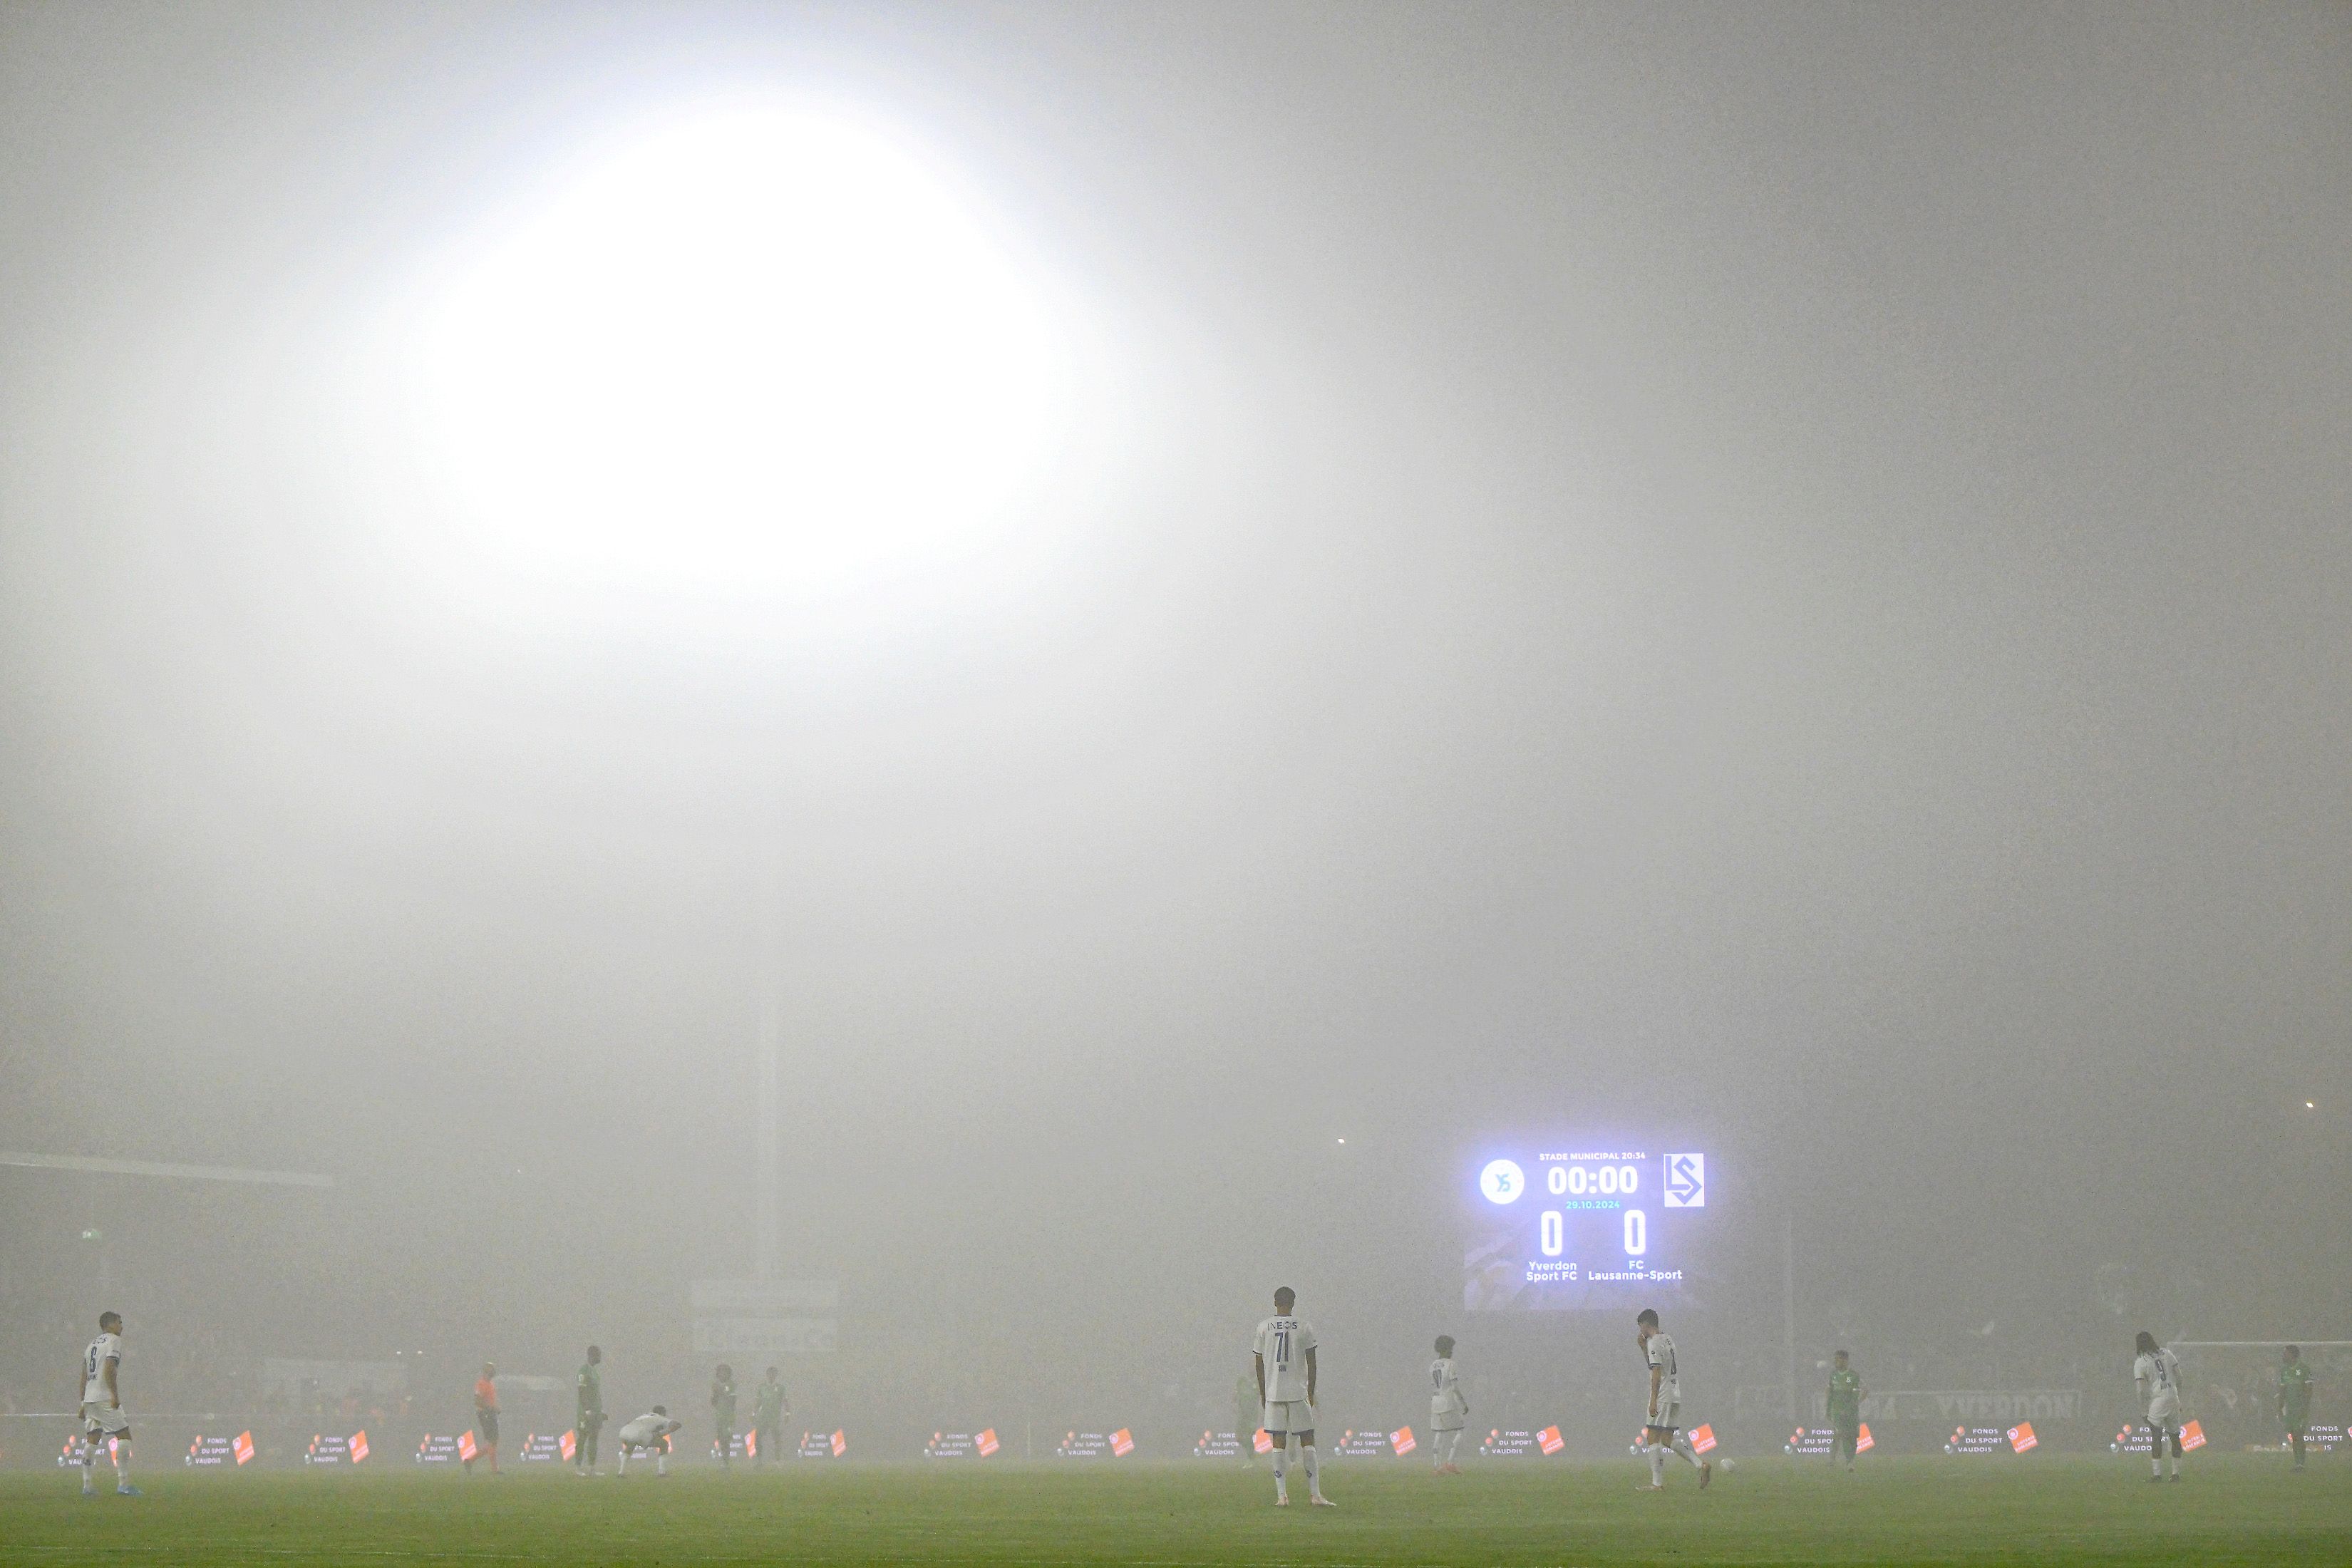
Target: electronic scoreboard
{"points": [[1578, 1226]]}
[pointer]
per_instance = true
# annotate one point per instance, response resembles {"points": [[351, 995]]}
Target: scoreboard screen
{"points": [[1580, 1227]]}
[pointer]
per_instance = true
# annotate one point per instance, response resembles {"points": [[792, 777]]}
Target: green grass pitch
{"points": [[2227, 1510]]}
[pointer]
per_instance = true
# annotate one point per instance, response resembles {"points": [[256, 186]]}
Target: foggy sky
{"points": [[1771, 579]]}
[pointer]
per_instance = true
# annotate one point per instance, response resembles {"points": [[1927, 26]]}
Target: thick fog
{"points": [[1765, 580]]}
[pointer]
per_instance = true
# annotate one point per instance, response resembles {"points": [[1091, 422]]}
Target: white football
{"points": [[1730, 1464]]}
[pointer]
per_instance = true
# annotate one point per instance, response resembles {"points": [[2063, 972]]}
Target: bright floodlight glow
{"points": [[768, 349]]}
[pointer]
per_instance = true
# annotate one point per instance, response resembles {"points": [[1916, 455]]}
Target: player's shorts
{"points": [[2164, 1410], [1450, 1421], [1289, 1416], [635, 1436], [486, 1422], [105, 1420], [1669, 1418]]}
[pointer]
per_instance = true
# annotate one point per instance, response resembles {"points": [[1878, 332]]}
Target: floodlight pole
{"points": [[1788, 1301], [770, 1162], [768, 1166]]}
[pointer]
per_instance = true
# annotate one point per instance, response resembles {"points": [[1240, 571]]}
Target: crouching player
{"points": [[648, 1434]]}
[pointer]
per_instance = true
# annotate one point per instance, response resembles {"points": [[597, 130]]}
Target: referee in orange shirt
{"points": [[486, 1416]]}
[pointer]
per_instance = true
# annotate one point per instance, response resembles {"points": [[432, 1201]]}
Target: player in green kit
{"points": [[1847, 1394], [588, 1414], [722, 1412], [2294, 1399], [767, 1408]]}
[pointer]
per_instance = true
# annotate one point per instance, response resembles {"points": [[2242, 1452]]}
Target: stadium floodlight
{"points": [[767, 349], [763, 356]]}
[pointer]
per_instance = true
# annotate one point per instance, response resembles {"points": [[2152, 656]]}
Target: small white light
{"points": [[1343, 1140]]}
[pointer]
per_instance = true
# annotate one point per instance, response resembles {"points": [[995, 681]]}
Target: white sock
{"points": [[1657, 1464], [89, 1463], [1682, 1447], [1314, 1486], [122, 1464], [1282, 1469]]}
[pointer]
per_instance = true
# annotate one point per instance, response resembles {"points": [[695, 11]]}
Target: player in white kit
{"points": [[1447, 1407], [650, 1434], [101, 1407], [1662, 1421], [1285, 1353], [2157, 1373]]}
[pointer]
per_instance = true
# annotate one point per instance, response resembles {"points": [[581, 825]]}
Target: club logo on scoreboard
{"points": [[1502, 1181], [1685, 1181]]}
